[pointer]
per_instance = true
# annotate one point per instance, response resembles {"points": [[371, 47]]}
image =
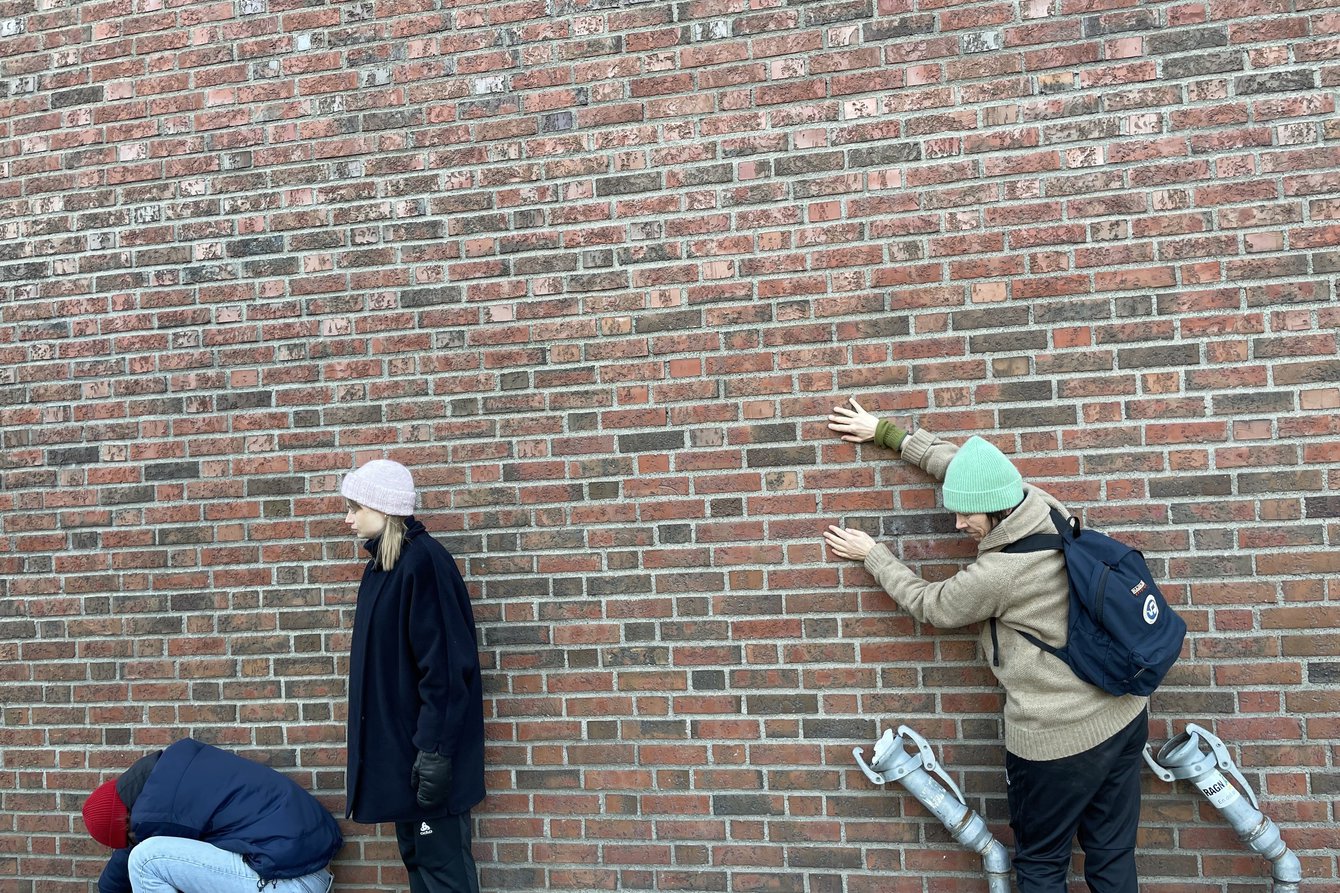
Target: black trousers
{"points": [[437, 855], [1094, 795]]}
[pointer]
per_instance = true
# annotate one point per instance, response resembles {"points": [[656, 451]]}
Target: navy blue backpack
{"points": [[1122, 635]]}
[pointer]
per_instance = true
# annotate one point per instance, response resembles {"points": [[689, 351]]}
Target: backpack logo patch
{"points": [[1151, 610]]}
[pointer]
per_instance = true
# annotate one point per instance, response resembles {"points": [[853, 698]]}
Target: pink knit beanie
{"points": [[383, 485]]}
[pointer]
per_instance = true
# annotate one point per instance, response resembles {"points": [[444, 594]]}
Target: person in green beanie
{"points": [[1072, 751]]}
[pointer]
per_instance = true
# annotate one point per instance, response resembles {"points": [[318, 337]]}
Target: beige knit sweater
{"points": [[1049, 712]]}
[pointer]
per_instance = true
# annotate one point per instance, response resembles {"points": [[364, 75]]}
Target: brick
{"points": [[1275, 82], [1203, 64]]}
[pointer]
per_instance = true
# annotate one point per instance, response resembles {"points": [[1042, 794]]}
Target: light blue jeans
{"points": [[172, 864]]}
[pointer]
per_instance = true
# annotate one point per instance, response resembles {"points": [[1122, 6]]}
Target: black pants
{"points": [[437, 855], [1095, 795]]}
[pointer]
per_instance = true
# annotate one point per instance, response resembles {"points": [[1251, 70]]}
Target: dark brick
{"points": [[1322, 506], [1201, 65], [781, 704], [645, 254], [628, 184], [892, 27], [1279, 481], [1177, 355], [230, 400], [658, 729], [1326, 783], [1021, 341], [777, 433], [353, 415], [991, 317], [883, 155], [656, 441], [271, 267], [171, 471], [674, 534], [125, 495], [852, 729], [1034, 391], [1184, 40], [259, 245], [481, 223], [652, 656], [1191, 485], [674, 321], [516, 634], [708, 174], [772, 457], [1269, 402], [930, 523], [608, 584], [25, 272], [748, 804], [1072, 311], [276, 486], [183, 535], [809, 163], [1325, 262], [602, 490], [842, 11], [708, 680], [79, 96], [1323, 672], [72, 456], [1314, 372], [1275, 82], [726, 508], [617, 279], [1143, 21], [1037, 417]]}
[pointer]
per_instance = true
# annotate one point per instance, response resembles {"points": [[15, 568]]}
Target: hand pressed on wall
{"points": [[856, 426], [848, 542]]}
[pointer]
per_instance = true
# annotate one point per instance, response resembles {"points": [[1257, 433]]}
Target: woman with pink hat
{"points": [[416, 713]]}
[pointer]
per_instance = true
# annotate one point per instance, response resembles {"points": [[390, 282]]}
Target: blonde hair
{"points": [[392, 538]]}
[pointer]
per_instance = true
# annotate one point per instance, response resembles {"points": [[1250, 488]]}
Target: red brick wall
{"points": [[597, 271]]}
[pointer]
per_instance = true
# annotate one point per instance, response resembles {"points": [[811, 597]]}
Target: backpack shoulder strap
{"points": [[995, 643], [1038, 542], [1068, 528], [1047, 542]]}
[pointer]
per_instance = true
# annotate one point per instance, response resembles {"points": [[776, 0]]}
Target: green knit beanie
{"points": [[981, 479]]}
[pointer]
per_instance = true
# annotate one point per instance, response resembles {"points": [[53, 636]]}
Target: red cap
{"points": [[105, 816]]}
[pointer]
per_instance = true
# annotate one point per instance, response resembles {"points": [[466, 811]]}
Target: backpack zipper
{"points": [[1102, 595]]}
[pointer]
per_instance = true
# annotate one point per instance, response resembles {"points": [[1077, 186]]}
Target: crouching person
{"points": [[197, 819]]}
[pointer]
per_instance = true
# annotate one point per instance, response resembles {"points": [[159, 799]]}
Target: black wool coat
{"points": [[414, 684]]}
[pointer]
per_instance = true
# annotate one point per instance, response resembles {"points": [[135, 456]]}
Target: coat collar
{"points": [[413, 527], [1032, 515]]}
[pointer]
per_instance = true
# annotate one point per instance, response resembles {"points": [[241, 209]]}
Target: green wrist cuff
{"points": [[890, 435]]}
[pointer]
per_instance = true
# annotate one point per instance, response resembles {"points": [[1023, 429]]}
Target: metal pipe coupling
{"points": [[1181, 758], [921, 775]]}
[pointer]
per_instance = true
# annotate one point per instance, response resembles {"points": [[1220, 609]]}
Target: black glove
{"points": [[431, 779]]}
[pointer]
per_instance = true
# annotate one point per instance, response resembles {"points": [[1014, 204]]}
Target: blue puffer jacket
{"points": [[200, 792]]}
